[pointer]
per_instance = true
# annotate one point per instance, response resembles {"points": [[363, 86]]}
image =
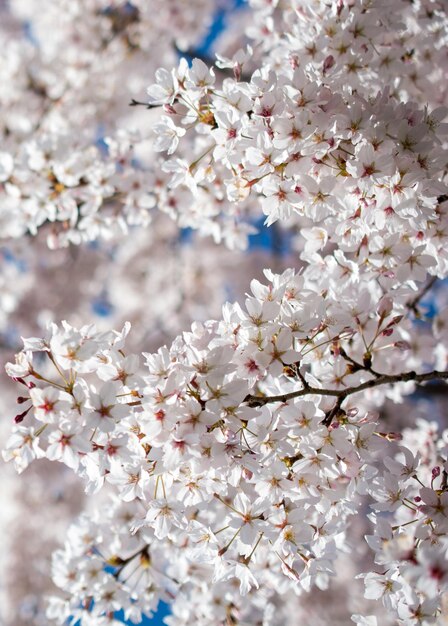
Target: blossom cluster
{"points": [[289, 133], [242, 444], [352, 161], [67, 159], [411, 547]]}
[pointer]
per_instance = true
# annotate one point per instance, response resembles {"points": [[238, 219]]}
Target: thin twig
{"points": [[412, 304], [333, 412], [137, 103], [357, 366]]}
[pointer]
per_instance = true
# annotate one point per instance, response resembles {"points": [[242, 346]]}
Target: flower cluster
{"points": [[65, 96], [351, 161], [242, 444]]}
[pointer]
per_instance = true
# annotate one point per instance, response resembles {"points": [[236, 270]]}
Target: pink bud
{"points": [[328, 63], [294, 61], [391, 436], [18, 379], [237, 71], [395, 320], [402, 345], [387, 332], [19, 418], [385, 306], [435, 472], [168, 108]]}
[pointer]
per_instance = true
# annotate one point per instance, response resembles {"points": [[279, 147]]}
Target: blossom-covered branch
{"points": [[381, 379]]}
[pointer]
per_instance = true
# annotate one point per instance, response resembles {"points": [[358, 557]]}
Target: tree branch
{"points": [[334, 412], [383, 379], [412, 304]]}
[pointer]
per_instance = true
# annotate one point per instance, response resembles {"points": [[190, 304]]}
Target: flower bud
{"points": [[402, 345], [328, 63], [385, 306]]}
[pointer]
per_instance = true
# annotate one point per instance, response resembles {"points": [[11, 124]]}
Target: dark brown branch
{"points": [[435, 389], [383, 379], [334, 412], [137, 103], [302, 379], [293, 370], [413, 304]]}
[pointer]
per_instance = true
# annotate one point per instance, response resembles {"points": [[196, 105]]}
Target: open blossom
{"points": [[199, 76], [49, 402], [106, 408], [165, 89], [65, 445], [22, 448], [168, 135]]}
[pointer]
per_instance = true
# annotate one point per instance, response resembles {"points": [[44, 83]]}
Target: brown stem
{"points": [[357, 366]]}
